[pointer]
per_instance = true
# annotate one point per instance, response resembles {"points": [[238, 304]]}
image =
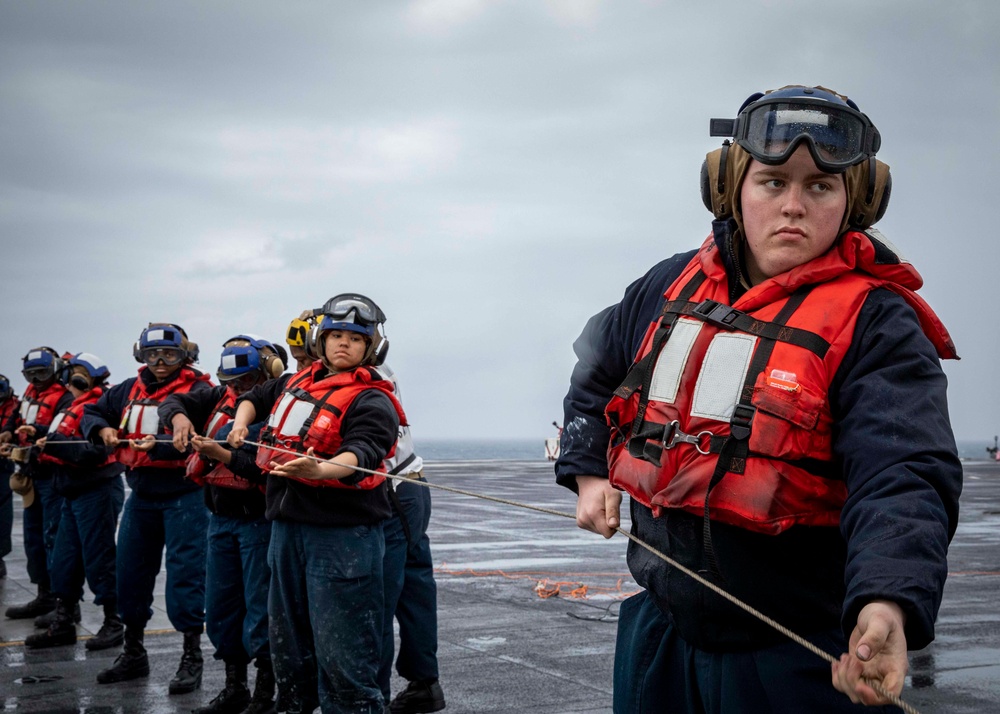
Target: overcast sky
{"points": [[491, 173]]}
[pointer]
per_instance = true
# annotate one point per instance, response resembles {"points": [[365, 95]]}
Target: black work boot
{"points": [[112, 632], [234, 697], [263, 689], [44, 602], [132, 663], [61, 631], [419, 697], [42, 622], [188, 677]]}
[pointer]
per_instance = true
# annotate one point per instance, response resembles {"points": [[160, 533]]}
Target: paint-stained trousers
{"points": [[179, 524], [325, 615], [410, 591], [657, 671], [237, 586]]}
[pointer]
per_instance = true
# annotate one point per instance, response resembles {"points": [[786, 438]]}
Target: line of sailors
{"points": [[294, 564]]}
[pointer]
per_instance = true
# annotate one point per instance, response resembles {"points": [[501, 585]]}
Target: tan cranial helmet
{"points": [[771, 126]]}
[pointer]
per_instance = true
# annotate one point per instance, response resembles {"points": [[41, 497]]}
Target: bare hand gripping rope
{"points": [[690, 573]]}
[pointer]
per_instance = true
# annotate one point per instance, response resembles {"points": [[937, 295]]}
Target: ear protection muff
{"points": [[870, 196], [713, 181], [270, 363], [380, 348]]}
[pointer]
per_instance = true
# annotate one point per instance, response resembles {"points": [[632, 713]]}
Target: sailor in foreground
{"points": [[326, 596], [775, 407]]}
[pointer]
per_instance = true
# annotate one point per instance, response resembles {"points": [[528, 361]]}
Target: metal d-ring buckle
{"points": [[677, 436]]}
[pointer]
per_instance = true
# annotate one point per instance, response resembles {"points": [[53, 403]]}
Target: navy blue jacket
{"points": [[148, 482], [896, 451], [197, 406]]}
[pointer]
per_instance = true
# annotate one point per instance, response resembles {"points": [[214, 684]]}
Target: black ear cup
{"points": [[706, 191]]}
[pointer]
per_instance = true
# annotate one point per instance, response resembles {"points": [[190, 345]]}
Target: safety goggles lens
{"points": [[343, 307], [241, 384], [837, 137], [37, 374], [167, 355]]}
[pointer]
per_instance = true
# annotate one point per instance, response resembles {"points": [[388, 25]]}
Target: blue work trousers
{"points": [[179, 523], [85, 544], [410, 591], [657, 671], [41, 524], [6, 511], [325, 614], [238, 579]]}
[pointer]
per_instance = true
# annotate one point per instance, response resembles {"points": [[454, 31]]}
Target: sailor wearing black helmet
{"points": [[164, 510], [326, 595], [45, 396], [237, 576], [776, 409]]}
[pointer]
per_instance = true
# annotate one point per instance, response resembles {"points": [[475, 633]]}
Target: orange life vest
{"points": [[139, 417], [39, 409], [67, 423], [725, 412], [7, 408], [309, 414], [203, 470]]}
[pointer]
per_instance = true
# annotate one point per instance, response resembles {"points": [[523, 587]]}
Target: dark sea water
{"points": [[482, 449], [534, 449]]}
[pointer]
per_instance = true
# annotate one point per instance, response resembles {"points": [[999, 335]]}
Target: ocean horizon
{"points": [[534, 449]]}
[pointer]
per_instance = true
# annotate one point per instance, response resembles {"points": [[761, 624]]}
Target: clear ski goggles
{"points": [[364, 309], [770, 130], [38, 374], [170, 356]]}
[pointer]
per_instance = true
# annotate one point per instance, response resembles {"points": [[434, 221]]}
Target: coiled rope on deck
{"points": [[892, 698]]}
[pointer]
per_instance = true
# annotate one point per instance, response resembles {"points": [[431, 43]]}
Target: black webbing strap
{"points": [[733, 457], [396, 504], [318, 404], [720, 315]]}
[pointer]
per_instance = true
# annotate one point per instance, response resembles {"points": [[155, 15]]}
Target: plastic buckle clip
{"points": [[742, 421], [717, 314]]}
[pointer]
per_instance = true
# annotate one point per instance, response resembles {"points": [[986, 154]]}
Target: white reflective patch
{"points": [[56, 422], [214, 424], [229, 361], [722, 375], [297, 415], [150, 423], [670, 364], [154, 335], [29, 412], [279, 410], [93, 360], [34, 355], [142, 420]]}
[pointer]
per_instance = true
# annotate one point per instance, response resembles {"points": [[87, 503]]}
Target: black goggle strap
{"points": [[734, 452]]}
